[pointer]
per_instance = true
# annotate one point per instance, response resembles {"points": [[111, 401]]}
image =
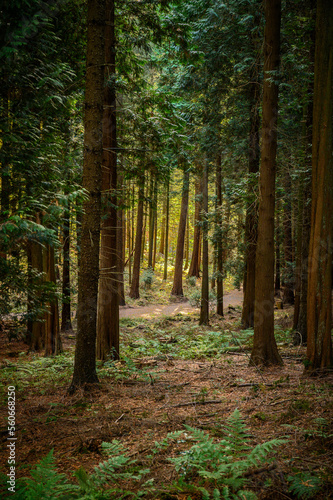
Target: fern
{"points": [[304, 486], [45, 483], [223, 463]]}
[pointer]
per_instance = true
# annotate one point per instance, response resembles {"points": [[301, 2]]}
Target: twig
{"points": [[119, 418], [266, 468], [193, 403]]}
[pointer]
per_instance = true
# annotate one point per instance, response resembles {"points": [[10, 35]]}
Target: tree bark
{"points": [[177, 288], [53, 343], [121, 241], [219, 240], [288, 282], [134, 291], [108, 290], [66, 323], [85, 350], [264, 351], [195, 259], [319, 317], [204, 310], [251, 221], [166, 252]]}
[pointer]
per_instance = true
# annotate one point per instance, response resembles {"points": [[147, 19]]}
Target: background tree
{"points": [[319, 314], [264, 346]]}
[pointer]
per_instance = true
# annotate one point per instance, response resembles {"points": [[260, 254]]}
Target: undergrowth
{"points": [[213, 469]]}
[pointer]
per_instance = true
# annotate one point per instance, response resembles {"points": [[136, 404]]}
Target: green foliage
{"points": [[223, 464], [304, 485], [148, 277], [195, 297]]}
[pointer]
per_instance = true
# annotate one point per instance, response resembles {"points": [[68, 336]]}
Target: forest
{"points": [[166, 192]]}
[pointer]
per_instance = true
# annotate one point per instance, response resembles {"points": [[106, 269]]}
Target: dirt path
{"points": [[234, 298]]}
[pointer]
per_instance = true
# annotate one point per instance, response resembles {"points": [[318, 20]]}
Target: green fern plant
{"points": [[304, 485], [222, 463]]}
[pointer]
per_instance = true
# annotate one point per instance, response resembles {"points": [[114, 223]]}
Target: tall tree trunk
{"points": [[108, 293], [204, 310], [319, 317], [166, 251], [52, 334], [155, 223], [135, 292], [187, 243], [288, 290], [121, 240], [219, 240], [264, 349], [151, 221], [162, 240], [195, 260], [37, 325], [278, 233], [177, 288], [251, 221], [66, 323], [85, 350]]}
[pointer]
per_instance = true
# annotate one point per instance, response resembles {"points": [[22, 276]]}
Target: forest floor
{"points": [[172, 373]]}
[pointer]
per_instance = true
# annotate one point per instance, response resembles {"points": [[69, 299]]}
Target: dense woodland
{"points": [[180, 153]]}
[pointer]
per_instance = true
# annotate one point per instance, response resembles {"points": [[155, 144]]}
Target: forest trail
{"points": [[234, 298]]}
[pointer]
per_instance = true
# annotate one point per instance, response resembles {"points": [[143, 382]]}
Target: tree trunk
{"points": [[319, 317], [277, 284], [108, 290], [166, 252], [162, 240], [195, 260], [151, 221], [37, 332], [264, 346], [251, 221], [204, 310], [135, 292], [66, 323], [288, 290], [52, 335], [121, 241], [85, 350], [219, 240], [177, 288]]}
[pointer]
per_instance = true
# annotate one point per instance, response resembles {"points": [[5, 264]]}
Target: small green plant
{"points": [[104, 483], [191, 280], [195, 297], [148, 277], [220, 464], [304, 485]]}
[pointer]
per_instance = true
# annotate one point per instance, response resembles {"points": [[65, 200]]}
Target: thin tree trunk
{"points": [[166, 251], [288, 291], [162, 240], [177, 288], [251, 221], [195, 260], [277, 285], [151, 221], [52, 334], [204, 310], [85, 350], [37, 325], [135, 292], [319, 303], [121, 241], [155, 222], [219, 240], [264, 349], [66, 323], [187, 243]]}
